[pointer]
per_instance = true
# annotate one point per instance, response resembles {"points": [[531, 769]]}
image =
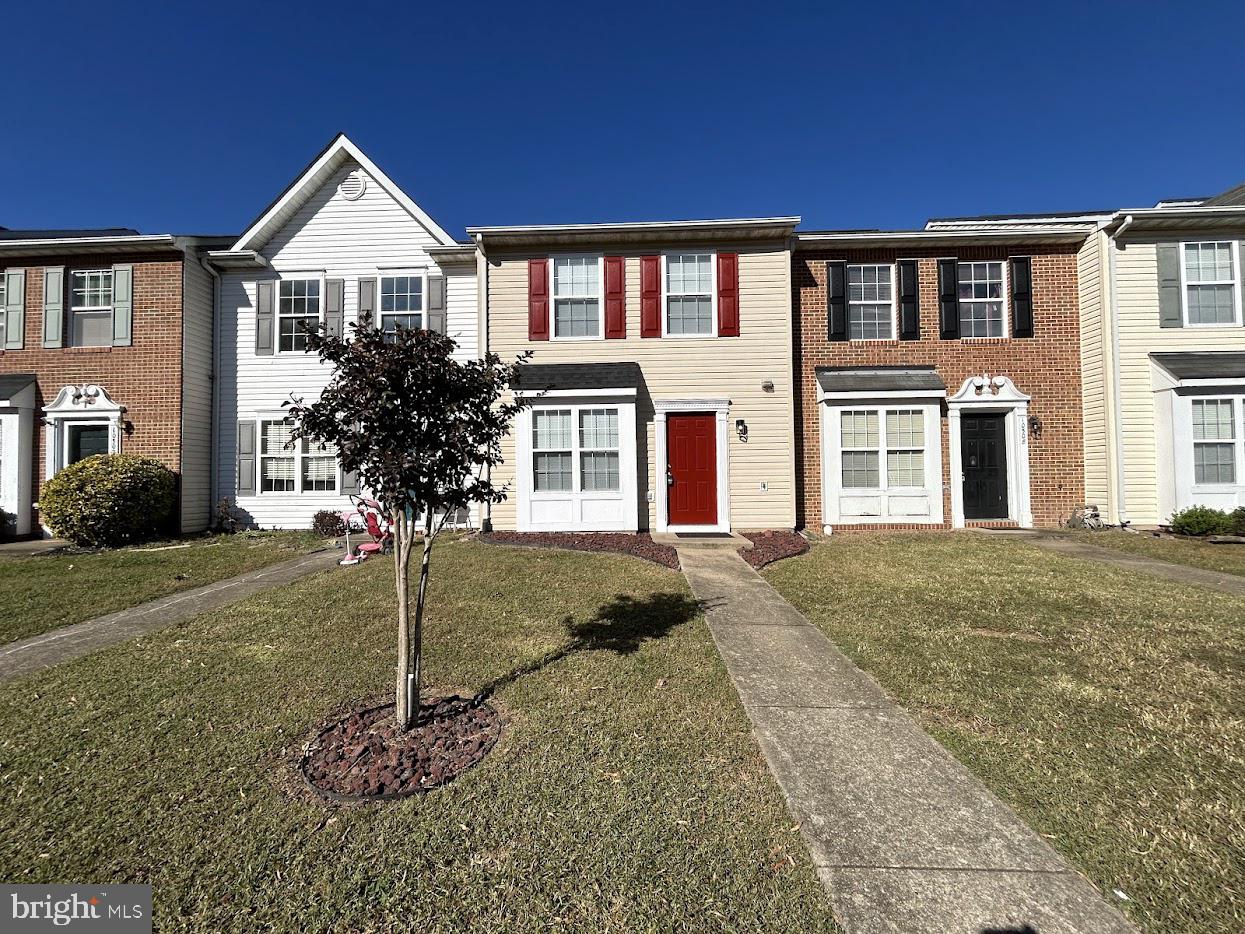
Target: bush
{"points": [[328, 523], [1201, 520], [1236, 521], [109, 499]]}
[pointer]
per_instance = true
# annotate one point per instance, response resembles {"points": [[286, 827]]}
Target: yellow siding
{"points": [[732, 368], [1090, 278], [1138, 307]]}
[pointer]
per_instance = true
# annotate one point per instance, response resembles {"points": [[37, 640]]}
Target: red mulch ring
{"points": [[774, 545], [361, 756], [638, 546]]}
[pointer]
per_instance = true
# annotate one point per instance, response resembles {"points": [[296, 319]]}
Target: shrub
{"points": [[1201, 520], [328, 523], [1236, 521], [108, 499]]}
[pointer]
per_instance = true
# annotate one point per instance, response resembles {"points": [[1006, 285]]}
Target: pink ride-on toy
{"points": [[367, 516]]}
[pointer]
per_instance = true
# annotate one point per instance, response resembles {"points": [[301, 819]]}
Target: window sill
{"points": [[84, 349], [984, 340], [873, 340], [689, 337]]}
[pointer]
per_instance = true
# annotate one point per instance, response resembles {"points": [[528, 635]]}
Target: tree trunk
{"points": [[406, 707], [425, 564]]}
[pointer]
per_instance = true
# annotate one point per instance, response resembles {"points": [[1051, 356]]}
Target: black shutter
{"points": [[836, 301], [1022, 297], [909, 301], [948, 300]]}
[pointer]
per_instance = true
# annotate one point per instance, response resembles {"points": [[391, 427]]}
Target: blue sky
{"points": [[190, 118]]}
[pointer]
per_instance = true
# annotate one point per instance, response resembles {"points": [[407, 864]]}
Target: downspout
{"points": [[214, 482], [486, 524], [1121, 508]]}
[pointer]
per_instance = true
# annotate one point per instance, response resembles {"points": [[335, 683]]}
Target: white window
{"points": [[401, 303], [577, 304], [864, 448], [1215, 441], [1210, 290], [575, 450], [4, 285], [298, 308], [286, 466], [689, 294], [319, 468], [90, 308], [870, 302], [982, 292]]}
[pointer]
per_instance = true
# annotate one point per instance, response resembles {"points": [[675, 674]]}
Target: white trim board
{"points": [[721, 409], [996, 394]]}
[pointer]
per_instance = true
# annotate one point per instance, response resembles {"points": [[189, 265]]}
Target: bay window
{"points": [[864, 448], [1210, 282], [689, 294], [298, 308], [90, 308], [577, 304], [870, 302], [551, 450], [982, 292], [598, 450], [575, 450]]}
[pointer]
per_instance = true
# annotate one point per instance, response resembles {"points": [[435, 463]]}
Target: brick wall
{"points": [[1045, 367], [146, 377]]}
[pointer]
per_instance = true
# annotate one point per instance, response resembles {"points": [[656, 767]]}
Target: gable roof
{"points": [[1230, 198], [307, 182]]}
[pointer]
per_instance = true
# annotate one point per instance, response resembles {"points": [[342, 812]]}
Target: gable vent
{"points": [[353, 186]]}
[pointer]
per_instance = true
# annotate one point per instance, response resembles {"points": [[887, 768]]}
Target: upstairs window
{"points": [[870, 302], [982, 292], [90, 308], [1214, 441], [577, 304], [1210, 282], [297, 309], [689, 294], [401, 303]]}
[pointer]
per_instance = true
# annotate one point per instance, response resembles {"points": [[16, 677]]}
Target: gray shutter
{"points": [[948, 299], [436, 304], [14, 308], [245, 459], [335, 296], [122, 305], [1168, 255], [53, 306], [265, 318], [367, 301], [350, 483]]}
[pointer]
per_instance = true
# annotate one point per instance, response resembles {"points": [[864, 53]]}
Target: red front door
{"points": [[692, 469]]}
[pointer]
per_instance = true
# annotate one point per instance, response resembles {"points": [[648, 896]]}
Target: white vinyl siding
{"points": [[983, 303], [1211, 286], [90, 308], [871, 302], [689, 294]]}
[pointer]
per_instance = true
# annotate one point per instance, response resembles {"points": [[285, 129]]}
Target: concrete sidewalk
{"points": [[904, 838], [69, 642]]}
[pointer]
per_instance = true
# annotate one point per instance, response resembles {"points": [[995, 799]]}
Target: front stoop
{"points": [[904, 838]]}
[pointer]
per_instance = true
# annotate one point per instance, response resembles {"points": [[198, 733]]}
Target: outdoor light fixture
{"points": [[767, 385], [741, 429], [1035, 427]]}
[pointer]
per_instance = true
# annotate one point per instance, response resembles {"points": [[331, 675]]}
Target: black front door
{"points": [[983, 448]]}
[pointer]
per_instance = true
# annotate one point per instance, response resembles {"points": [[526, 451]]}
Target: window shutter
{"points": [[334, 299], [650, 296], [909, 301], [948, 299], [265, 324], [1022, 296], [538, 299], [350, 483], [122, 305], [728, 295], [367, 301], [1168, 255], [836, 301], [436, 304], [53, 306], [245, 458], [14, 308], [615, 299]]}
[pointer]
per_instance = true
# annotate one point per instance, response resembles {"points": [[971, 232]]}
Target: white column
{"points": [[1024, 511], [957, 467], [724, 471], [659, 472]]}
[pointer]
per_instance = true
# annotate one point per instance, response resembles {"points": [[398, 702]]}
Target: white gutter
{"points": [[1121, 508], [214, 480], [635, 225], [139, 240], [1069, 232]]}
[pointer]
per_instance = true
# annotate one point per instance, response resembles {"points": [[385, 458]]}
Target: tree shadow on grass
{"points": [[620, 626]]}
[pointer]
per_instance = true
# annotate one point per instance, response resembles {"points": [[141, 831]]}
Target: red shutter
{"points": [[615, 299], [728, 295], [538, 299], [650, 296]]}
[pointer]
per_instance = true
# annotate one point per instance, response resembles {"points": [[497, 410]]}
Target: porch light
{"points": [[767, 385], [1035, 427], [741, 429]]}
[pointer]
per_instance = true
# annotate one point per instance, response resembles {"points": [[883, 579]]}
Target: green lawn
{"points": [[1104, 705], [47, 591], [626, 793], [1226, 559]]}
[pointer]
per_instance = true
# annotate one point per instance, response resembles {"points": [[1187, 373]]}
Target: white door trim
{"points": [[720, 408], [996, 394]]}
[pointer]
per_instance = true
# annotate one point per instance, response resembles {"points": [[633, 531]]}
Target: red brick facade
{"points": [[146, 377], [1045, 367]]}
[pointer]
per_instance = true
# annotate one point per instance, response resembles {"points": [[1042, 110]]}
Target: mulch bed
{"points": [[638, 546], [360, 756], [774, 545]]}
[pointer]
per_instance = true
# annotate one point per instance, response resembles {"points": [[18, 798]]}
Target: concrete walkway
{"points": [[1182, 573], [70, 642], [904, 838]]}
